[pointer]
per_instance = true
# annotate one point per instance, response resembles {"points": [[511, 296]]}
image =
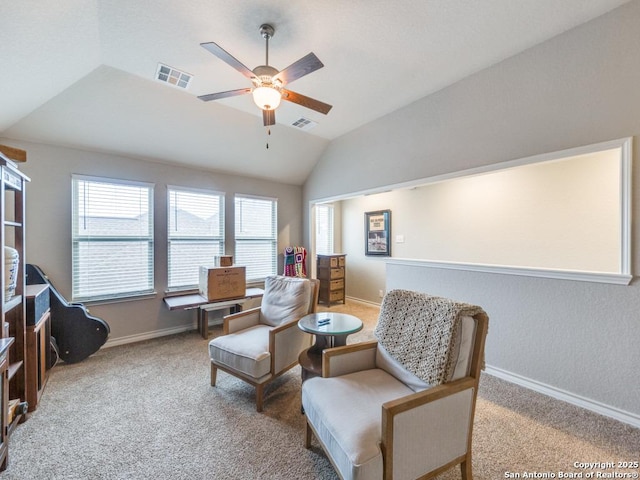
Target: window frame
{"points": [[273, 238], [83, 294], [330, 233], [220, 239]]}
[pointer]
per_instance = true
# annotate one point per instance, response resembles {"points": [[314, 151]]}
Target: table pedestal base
{"points": [[311, 358]]}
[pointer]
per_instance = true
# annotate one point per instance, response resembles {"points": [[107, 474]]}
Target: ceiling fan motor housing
{"points": [[265, 73], [264, 77]]}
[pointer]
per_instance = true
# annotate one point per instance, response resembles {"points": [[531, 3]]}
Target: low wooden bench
{"points": [[204, 306]]}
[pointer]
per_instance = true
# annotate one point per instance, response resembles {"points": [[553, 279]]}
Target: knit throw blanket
{"points": [[420, 331], [295, 264]]}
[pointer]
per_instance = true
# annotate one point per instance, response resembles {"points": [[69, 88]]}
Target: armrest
{"points": [[446, 411], [241, 320], [348, 359], [285, 344]]}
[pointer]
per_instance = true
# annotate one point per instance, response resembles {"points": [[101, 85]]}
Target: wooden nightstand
{"points": [[331, 273]]}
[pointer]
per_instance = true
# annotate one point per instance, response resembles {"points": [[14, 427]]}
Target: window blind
{"points": [[112, 238], [256, 237], [195, 234], [324, 229]]}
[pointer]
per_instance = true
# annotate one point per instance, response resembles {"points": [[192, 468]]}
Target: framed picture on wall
{"points": [[377, 233]]}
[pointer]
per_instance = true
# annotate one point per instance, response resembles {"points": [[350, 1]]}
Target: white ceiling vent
{"points": [[304, 123], [174, 77]]}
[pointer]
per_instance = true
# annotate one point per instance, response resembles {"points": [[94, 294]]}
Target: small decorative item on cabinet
{"points": [[331, 273]]}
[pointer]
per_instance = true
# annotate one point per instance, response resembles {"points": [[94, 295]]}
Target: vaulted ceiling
{"points": [[81, 73]]}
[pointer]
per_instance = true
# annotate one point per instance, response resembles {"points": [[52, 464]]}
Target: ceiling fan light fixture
{"points": [[267, 98]]}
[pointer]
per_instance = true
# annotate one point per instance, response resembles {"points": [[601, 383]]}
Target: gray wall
{"points": [[577, 89], [49, 224]]}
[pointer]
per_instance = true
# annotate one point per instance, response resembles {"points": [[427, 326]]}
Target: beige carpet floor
{"points": [[147, 411]]}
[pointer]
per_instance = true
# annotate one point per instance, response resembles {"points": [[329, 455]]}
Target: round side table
{"points": [[330, 330]]}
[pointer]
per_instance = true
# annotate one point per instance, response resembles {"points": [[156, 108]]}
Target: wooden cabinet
{"points": [[12, 288], [5, 343], [331, 273], [38, 339]]}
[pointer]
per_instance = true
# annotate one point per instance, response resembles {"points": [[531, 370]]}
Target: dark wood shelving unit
{"points": [[13, 351]]}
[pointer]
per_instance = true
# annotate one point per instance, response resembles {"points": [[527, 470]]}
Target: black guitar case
{"points": [[77, 334]]}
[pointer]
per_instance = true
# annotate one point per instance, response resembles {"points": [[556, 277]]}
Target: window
{"points": [[256, 235], [324, 229], [195, 234], [112, 238]]}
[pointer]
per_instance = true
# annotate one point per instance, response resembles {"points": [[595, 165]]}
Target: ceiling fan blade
{"points": [[225, 56], [307, 64], [228, 93], [268, 117], [308, 102]]}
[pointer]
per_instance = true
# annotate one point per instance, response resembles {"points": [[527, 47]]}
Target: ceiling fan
{"points": [[268, 83]]}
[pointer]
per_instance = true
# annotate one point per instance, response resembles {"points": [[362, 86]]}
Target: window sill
{"points": [[107, 301], [175, 292]]}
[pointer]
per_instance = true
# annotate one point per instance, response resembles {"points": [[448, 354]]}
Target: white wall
{"points": [[48, 226], [577, 89], [365, 276], [555, 215]]}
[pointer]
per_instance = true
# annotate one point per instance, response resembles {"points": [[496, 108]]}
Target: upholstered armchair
{"points": [[260, 344], [402, 406]]}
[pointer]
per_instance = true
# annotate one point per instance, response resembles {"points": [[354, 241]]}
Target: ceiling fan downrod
{"points": [[267, 32]]}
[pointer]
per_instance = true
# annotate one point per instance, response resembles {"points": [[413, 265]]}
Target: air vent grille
{"points": [[304, 124], [172, 76]]}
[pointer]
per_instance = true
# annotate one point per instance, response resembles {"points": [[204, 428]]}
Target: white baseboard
{"points": [[359, 300], [583, 402], [139, 337]]}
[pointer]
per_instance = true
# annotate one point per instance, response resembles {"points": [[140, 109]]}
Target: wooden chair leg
{"points": [[214, 374], [259, 397], [465, 469], [307, 435]]}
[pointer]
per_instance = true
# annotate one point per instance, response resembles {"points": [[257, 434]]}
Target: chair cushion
{"points": [[246, 351], [465, 348], [285, 299], [354, 400]]}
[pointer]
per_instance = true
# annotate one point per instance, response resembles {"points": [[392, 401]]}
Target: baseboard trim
{"points": [[557, 393], [139, 337], [366, 302]]}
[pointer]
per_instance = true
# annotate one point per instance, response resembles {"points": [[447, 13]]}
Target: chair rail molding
{"points": [[597, 277]]}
